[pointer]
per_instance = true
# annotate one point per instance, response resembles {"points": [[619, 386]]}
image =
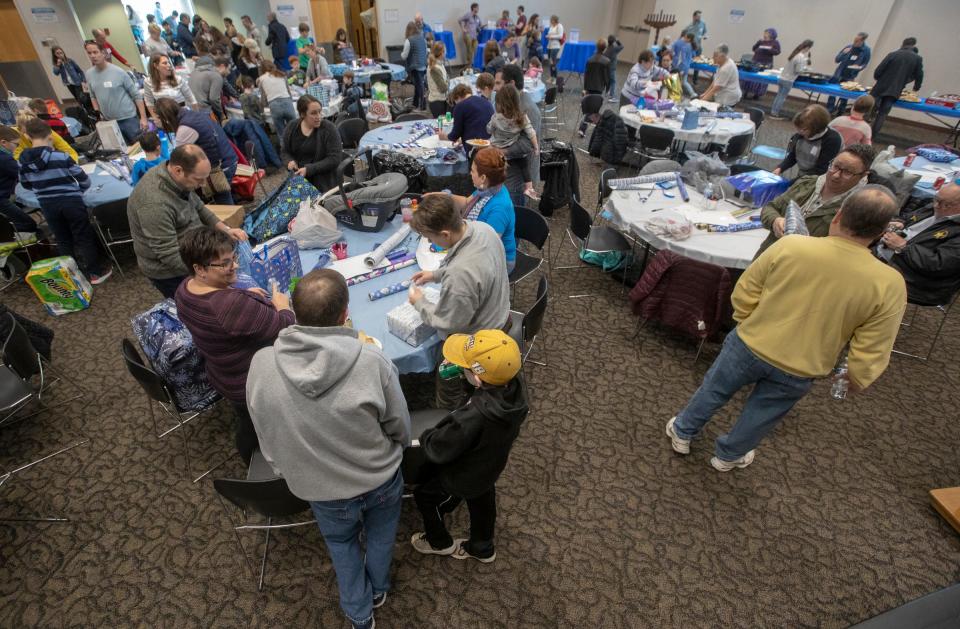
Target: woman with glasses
{"points": [[819, 196], [229, 325], [813, 145]]}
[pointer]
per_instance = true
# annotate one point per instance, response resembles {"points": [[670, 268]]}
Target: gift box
{"points": [[758, 187], [59, 285], [404, 321]]}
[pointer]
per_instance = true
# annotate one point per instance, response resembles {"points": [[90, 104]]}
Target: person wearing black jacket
{"points": [[596, 76], [813, 146], [185, 37], [311, 145], [925, 248], [896, 70], [468, 449], [277, 38]]}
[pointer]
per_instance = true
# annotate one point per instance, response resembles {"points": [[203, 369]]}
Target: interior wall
{"points": [[256, 9], [832, 25], [47, 33], [594, 19], [110, 14], [291, 12], [211, 11]]}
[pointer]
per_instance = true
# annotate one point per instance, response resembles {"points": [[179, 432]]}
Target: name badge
{"points": [[814, 150], [108, 83], [853, 57]]}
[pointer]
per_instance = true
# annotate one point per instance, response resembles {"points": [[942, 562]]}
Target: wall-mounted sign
{"points": [[44, 14]]}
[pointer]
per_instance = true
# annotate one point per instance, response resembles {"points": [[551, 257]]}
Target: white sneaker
{"points": [[726, 466], [421, 545], [680, 445]]}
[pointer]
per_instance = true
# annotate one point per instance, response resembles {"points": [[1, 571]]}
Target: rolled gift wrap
{"points": [[400, 264], [633, 183], [393, 289], [735, 227], [377, 255]]}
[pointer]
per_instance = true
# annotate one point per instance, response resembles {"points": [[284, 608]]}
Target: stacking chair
{"points": [[112, 226], [944, 311], [266, 494], [763, 150], [736, 148], [21, 364], [525, 327], [660, 166], [250, 150], [590, 106], [12, 244], [158, 391], [533, 228], [351, 131], [653, 143], [550, 114], [587, 237], [411, 117]]}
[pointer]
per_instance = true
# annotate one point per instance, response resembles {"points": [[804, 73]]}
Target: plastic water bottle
{"points": [[840, 380], [164, 145]]}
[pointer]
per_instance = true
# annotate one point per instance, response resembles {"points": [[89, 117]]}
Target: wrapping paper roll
{"points": [[633, 183], [735, 227], [399, 264], [376, 256], [393, 289]]}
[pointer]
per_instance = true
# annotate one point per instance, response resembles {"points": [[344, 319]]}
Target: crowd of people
{"points": [[323, 406]]}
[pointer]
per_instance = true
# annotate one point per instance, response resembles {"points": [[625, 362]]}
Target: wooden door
{"points": [[328, 17], [17, 45], [364, 39]]}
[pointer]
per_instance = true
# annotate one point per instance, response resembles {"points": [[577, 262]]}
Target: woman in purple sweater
{"points": [[229, 325]]}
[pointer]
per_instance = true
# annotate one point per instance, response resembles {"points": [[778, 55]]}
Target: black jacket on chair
{"points": [[609, 139], [896, 70], [596, 77], [930, 264]]}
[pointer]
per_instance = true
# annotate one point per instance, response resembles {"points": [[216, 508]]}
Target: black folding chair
{"points": [[736, 148], [250, 150], [590, 238], [653, 143], [112, 226], [549, 115], [351, 131], [159, 391], [943, 310], [533, 228], [590, 106], [411, 117], [526, 327]]}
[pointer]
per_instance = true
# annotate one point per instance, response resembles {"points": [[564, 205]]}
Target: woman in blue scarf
{"points": [[490, 203]]}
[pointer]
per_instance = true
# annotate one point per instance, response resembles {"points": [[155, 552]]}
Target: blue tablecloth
{"points": [[104, 188], [73, 125], [924, 189], [573, 57], [371, 316], [362, 74], [447, 38], [498, 34], [400, 132], [533, 87]]}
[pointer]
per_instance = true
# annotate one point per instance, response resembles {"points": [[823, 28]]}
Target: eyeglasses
{"points": [[229, 264], [844, 171]]}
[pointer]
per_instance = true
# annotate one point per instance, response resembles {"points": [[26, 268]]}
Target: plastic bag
{"points": [[410, 167], [670, 225], [244, 256], [314, 227], [380, 92], [795, 222], [379, 111]]}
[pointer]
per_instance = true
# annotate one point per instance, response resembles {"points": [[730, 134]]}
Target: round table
{"points": [[532, 87], [394, 136], [104, 188], [573, 56], [928, 171], [722, 132], [363, 73], [371, 316], [731, 250], [448, 43]]}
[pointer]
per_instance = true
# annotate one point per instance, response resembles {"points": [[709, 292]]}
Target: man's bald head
{"points": [[866, 213], [321, 298], [947, 200]]}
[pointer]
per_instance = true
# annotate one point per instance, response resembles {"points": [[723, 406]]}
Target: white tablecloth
{"points": [[725, 128], [732, 250]]}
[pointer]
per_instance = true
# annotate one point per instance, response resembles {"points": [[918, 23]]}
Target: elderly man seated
{"points": [[925, 248], [819, 196]]}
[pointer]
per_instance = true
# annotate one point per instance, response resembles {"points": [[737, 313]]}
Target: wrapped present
{"points": [[59, 285], [276, 260], [405, 323], [758, 187]]}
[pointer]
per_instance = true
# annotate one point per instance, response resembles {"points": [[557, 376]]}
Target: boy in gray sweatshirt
{"points": [[331, 419]]}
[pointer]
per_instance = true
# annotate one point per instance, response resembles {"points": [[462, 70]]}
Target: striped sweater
{"points": [[52, 175]]}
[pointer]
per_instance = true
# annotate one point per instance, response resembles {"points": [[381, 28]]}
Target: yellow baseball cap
{"points": [[491, 355]]}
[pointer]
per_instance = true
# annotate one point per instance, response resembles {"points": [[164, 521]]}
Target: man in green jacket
{"points": [[819, 197], [164, 205]]}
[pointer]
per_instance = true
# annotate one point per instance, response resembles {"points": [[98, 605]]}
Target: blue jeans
{"points": [[282, 113], [688, 90], [417, 78], [130, 129], [552, 54], [612, 89], [774, 394], [360, 577], [783, 90]]}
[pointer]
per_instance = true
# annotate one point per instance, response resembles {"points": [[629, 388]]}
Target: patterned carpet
{"points": [[600, 523]]}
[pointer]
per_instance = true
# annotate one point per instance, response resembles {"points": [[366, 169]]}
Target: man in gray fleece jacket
{"points": [[474, 288], [331, 419], [164, 205], [206, 82]]}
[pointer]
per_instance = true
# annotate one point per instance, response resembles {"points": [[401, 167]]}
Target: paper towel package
{"points": [[59, 285], [404, 321]]}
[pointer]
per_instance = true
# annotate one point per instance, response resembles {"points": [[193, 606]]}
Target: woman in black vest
{"points": [[415, 54], [311, 145]]}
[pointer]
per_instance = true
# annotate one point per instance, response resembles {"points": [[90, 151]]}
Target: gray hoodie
{"points": [[206, 83], [474, 289], [328, 411]]}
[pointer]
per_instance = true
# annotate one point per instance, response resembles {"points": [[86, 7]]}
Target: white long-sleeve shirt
{"points": [[554, 35]]}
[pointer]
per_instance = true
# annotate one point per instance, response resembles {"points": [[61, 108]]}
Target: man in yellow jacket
{"points": [[796, 307]]}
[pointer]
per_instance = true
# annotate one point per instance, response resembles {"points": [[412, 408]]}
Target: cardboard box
{"points": [[232, 215]]}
